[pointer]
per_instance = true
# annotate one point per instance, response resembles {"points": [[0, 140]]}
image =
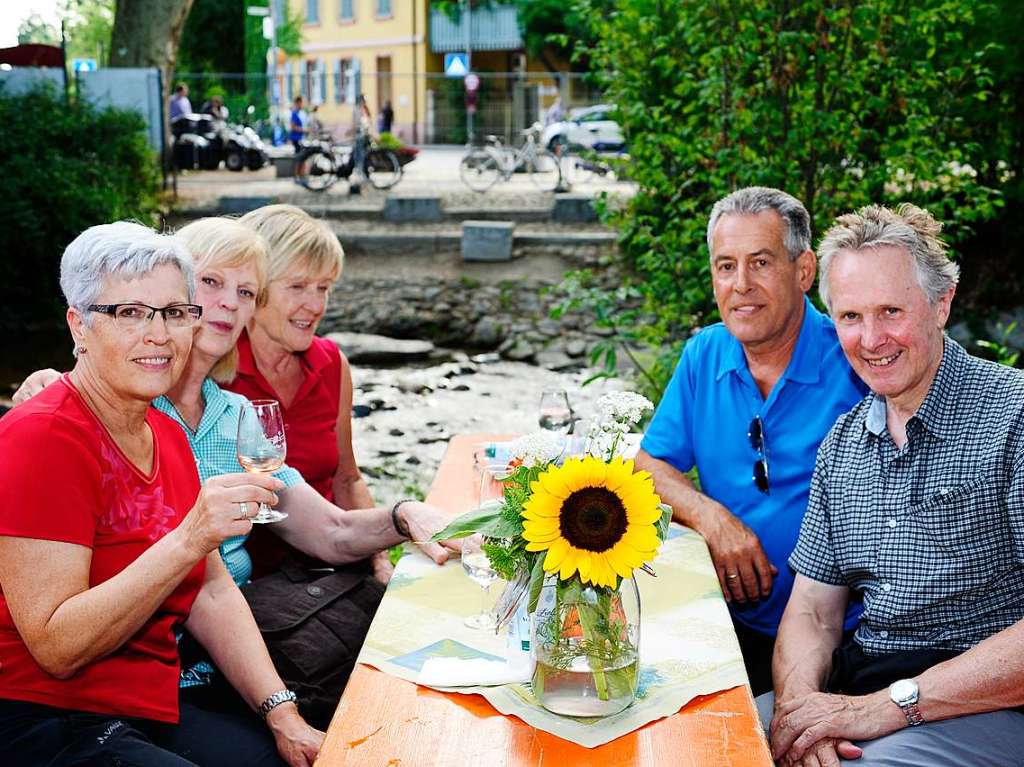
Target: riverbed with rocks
{"points": [[403, 416]]}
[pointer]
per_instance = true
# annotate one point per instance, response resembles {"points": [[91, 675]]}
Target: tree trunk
{"points": [[146, 34]]}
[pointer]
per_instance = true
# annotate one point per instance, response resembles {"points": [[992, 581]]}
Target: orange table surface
{"points": [[382, 720]]}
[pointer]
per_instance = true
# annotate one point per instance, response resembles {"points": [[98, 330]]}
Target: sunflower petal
{"points": [[557, 551]]}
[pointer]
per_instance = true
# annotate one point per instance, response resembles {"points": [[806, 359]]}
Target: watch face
{"points": [[903, 691]]}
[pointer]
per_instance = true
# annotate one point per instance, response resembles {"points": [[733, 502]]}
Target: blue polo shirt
{"points": [[703, 420]]}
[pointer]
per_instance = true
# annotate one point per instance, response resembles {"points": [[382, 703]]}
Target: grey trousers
{"points": [[995, 739]]}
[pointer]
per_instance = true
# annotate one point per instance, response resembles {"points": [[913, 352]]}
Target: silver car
{"points": [[588, 128]]}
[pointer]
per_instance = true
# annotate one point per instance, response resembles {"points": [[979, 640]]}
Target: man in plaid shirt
{"points": [[917, 503]]}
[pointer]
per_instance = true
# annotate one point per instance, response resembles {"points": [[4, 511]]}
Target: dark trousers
{"points": [[757, 649], [214, 731]]}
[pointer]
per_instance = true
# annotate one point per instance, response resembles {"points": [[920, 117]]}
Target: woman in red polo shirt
{"points": [[108, 544], [280, 357]]}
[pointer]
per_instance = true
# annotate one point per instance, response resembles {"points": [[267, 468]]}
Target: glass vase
{"points": [[586, 641]]}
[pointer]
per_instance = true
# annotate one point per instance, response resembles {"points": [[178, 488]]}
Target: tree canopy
{"points": [[841, 103]]}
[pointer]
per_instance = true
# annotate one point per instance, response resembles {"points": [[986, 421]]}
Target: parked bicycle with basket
{"points": [[319, 165], [482, 167]]}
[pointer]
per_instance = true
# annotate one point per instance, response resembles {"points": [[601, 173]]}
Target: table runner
{"points": [[687, 645]]}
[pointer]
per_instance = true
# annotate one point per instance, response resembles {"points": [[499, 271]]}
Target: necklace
{"points": [[193, 430]]}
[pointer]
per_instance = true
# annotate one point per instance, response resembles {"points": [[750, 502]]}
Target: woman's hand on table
{"points": [[297, 742], [34, 384], [224, 507], [423, 520]]}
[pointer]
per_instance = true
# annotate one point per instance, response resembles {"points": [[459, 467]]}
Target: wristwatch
{"points": [[904, 693], [275, 700]]}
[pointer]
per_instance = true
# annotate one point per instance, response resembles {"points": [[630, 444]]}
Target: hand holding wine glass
{"points": [[261, 446]]}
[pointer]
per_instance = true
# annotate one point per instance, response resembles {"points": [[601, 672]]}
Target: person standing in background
{"points": [[179, 104]]}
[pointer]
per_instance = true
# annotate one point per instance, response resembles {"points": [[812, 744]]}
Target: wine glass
{"points": [[261, 446], [555, 412], [478, 567]]}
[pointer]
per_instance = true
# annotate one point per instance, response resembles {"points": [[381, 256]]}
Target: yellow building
{"points": [[393, 51]]}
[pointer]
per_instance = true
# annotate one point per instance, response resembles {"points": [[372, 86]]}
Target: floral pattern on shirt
{"points": [[130, 505]]}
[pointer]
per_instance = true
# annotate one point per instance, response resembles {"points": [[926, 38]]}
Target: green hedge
{"points": [[65, 167], [840, 103]]}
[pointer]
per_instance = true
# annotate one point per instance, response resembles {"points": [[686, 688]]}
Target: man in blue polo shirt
{"points": [[748, 405]]}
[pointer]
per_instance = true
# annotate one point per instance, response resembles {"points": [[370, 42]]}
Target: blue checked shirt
{"points": [[214, 445], [932, 534]]}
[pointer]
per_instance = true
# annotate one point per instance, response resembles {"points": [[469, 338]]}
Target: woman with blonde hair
{"points": [[280, 357]]}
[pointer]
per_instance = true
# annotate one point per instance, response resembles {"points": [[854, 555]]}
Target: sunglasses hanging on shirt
{"points": [[756, 434]]}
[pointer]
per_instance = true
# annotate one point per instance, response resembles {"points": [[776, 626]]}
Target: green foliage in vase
{"points": [[841, 104]]}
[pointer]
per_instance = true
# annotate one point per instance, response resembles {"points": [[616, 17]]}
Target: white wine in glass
{"points": [[261, 446]]}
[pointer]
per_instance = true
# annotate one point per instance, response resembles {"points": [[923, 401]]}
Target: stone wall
{"points": [[509, 316]]}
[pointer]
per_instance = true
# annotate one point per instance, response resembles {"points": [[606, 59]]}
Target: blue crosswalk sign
{"points": [[456, 64], [83, 65]]}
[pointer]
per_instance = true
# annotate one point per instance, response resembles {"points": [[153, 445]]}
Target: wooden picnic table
{"points": [[386, 721]]}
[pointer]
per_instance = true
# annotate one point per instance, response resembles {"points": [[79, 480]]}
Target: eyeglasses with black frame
{"points": [[135, 316], [756, 434]]}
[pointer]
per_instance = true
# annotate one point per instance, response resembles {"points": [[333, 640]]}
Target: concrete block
{"points": [[487, 240], [574, 209], [237, 205], [284, 167], [397, 209]]}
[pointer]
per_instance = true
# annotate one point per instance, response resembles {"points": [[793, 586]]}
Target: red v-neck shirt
{"points": [[63, 478], [311, 421]]}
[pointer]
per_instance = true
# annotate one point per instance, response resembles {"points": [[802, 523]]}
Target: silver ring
{"points": [[732, 576], [243, 510]]}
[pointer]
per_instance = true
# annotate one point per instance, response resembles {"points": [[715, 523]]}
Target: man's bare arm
{"points": [[743, 568]]}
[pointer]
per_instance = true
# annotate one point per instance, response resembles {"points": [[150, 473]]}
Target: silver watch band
{"points": [[275, 700], [913, 714]]}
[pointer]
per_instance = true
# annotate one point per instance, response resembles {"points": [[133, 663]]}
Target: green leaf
{"points": [[469, 523], [500, 527], [536, 581], [664, 522]]}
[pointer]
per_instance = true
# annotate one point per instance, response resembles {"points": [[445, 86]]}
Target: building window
{"points": [[383, 7], [346, 12], [346, 77], [312, 11]]}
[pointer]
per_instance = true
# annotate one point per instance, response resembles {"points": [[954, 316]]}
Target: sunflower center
{"points": [[593, 519]]}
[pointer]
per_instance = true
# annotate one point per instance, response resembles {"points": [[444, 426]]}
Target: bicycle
{"points": [[319, 165], [482, 167]]}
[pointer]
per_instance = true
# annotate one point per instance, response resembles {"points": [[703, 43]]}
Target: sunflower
{"points": [[594, 518]]}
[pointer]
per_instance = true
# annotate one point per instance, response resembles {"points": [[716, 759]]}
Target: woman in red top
{"points": [[280, 357], [108, 544]]}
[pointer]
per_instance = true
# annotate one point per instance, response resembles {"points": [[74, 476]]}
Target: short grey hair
{"points": [[909, 227], [757, 199], [123, 249]]}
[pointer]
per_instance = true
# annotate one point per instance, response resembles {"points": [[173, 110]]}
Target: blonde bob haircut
{"points": [[224, 243], [296, 239]]}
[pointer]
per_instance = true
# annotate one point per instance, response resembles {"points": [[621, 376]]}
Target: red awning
{"points": [[32, 55]]}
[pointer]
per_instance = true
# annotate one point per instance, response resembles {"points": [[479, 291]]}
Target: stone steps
{"points": [[564, 209]]}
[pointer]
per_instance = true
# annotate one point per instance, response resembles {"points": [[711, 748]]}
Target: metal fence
{"points": [[427, 108]]}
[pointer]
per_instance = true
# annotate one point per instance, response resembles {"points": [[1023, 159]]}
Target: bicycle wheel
{"points": [[382, 168], [545, 172], [315, 169], [479, 170]]}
